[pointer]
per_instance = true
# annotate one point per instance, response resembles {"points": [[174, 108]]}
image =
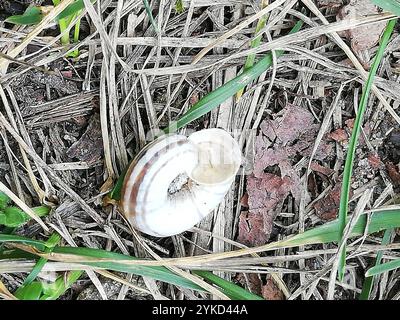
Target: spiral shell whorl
{"points": [[145, 200]]}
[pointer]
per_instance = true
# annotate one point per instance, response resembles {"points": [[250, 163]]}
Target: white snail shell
{"points": [[210, 158]]}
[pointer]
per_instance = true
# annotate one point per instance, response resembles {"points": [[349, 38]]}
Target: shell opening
{"points": [[218, 158]]}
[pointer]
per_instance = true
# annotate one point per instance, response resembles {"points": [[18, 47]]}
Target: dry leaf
{"points": [[375, 161], [289, 126], [339, 135], [350, 123], [285, 139], [265, 193], [4, 293], [270, 291], [327, 207], [277, 152], [253, 282], [365, 37], [244, 201], [89, 147], [342, 135], [316, 167], [393, 172], [251, 229]]}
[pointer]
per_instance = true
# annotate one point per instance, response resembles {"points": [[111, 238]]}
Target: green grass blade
{"points": [[348, 168], [216, 97], [63, 24], [54, 290], [41, 211], [72, 9], [77, 30], [330, 232], [64, 21], [4, 201], [32, 291], [40, 245], [50, 243], [12, 254], [368, 281], [384, 267], [254, 44], [75, 53], [31, 16], [389, 5], [231, 290], [115, 193], [157, 273], [150, 15]]}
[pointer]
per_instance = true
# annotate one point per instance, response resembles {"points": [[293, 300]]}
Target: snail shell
{"points": [[210, 159]]}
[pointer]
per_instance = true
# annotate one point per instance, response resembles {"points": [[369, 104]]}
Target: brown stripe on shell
{"points": [[146, 192], [140, 177]]}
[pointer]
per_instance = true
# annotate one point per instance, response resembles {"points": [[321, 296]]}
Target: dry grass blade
{"points": [[239, 27], [47, 19], [368, 281], [5, 294], [353, 58], [365, 198], [80, 100]]}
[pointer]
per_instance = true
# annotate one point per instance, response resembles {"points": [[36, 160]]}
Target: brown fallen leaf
{"points": [[342, 135], [312, 185], [251, 229], [285, 139], [339, 135], [265, 193], [375, 161], [67, 73], [289, 125], [244, 201], [393, 172], [347, 63], [270, 291], [253, 282], [327, 207], [89, 147], [350, 123], [364, 37], [194, 98], [315, 166], [290, 135]]}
